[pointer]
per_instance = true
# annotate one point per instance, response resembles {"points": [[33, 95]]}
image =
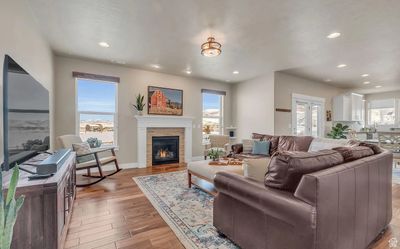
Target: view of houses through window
{"points": [[96, 112], [212, 115]]}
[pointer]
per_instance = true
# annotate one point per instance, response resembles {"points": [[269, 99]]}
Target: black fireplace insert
{"points": [[165, 150]]}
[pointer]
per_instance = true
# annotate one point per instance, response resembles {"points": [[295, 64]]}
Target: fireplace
{"points": [[165, 149]]}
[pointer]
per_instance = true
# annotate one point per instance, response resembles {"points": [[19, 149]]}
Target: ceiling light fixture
{"points": [[211, 48], [333, 35], [104, 44], [156, 66], [364, 75], [378, 86], [328, 80], [235, 72], [188, 72], [366, 82], [341, 65]]}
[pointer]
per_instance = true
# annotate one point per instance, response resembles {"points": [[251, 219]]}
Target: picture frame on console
{"points": [[164, 101]]}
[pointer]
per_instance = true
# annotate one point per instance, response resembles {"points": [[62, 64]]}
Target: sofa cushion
{"points": [[375, 148], [287, 167], [273, 139], [326, 143], [261, 147], [294, 143], [351, 153]]}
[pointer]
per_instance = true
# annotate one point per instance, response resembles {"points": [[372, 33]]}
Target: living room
{"points": [[147, 124]]}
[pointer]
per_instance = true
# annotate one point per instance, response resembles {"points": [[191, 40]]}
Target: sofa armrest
{"points": [[256, 168], [237, 148], [281, 205]]}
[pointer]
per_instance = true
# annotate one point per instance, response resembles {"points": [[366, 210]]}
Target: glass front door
{"points": [[307, 119]]}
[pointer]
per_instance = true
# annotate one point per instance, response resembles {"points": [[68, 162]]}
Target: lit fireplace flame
{"points": [[163, 153]]}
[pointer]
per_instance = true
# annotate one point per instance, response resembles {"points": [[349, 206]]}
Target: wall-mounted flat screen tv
{"points": [[26, 115]]}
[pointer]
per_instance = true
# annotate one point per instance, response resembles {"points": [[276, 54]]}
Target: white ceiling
{"points": [[257, 36]]}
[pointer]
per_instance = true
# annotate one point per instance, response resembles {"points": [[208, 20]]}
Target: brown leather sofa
{"points": [[344, 206]]}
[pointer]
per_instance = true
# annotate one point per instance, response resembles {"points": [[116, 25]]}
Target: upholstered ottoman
{"points": [[206, 172]]}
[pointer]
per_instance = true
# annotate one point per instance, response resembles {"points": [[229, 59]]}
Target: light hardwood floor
{"points": [[116, 214]]}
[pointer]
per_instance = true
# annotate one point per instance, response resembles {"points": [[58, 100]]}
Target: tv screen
{"points": [[26, 115]]}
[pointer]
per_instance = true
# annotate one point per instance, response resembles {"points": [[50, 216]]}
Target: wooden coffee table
{"points": [[204, 174]]}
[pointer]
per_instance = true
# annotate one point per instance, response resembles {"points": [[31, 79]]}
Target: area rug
{"points": [[189, 212]]}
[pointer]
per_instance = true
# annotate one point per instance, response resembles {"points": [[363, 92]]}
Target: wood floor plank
{"points": [[116, 214]]}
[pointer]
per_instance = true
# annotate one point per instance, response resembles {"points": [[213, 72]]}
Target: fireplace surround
{"points": [[157, 125]]}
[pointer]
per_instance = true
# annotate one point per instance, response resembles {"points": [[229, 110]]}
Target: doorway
{"points": [[307, 115]]}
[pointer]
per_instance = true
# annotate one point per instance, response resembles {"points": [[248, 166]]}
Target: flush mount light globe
{"points": [[211, 48]]}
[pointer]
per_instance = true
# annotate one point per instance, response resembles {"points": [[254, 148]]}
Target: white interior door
{"points": [[307, 116]]}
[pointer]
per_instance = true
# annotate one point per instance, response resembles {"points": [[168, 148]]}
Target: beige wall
{"points": [[286, 85], [21, 39], [253, 106], [384, 95], [133, 82]]}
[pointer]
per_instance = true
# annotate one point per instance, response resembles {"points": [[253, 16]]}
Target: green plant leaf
{"points": [[13, 185]]}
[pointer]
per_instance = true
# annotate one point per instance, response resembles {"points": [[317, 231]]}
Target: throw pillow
{"points": [[261, 147], [353, 153], [374, 147], [82, 149], [248, 145], [288, 167]]}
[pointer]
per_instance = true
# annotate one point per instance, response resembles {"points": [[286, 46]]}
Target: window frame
{"points": [[77, 112], [221, 117]]}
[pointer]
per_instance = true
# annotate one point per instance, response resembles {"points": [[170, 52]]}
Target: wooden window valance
{"points": [[213, 92], [91, 76]]}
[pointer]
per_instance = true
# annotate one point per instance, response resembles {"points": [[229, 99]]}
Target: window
{"points": [[382, 112], [96, 110], [213, 104]]}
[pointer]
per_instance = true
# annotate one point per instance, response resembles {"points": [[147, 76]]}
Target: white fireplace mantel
{"points": [[155, 121]]}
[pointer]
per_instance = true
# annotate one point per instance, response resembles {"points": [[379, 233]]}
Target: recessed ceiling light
{"points": [[366, 82], [235, 72], [104, 44], [341, 65], [227, 80], [188, 72], [378, 86], [333, 35], [156, 66], [364, 75], [328, 80]]}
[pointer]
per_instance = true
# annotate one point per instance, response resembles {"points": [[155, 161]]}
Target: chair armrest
{"points": [[227, 148], [281, 205], [256, 168], [97, 150]]}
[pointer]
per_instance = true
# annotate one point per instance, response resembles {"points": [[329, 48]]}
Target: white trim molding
{"points": [[155, 121]]}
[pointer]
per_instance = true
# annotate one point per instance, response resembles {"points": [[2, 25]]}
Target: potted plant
{"points": [[9, 208], [139, 104], [214, 154], [337, 131], [94, 142]]}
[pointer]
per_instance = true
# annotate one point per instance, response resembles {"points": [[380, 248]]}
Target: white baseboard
{"points": [[110, 167]]}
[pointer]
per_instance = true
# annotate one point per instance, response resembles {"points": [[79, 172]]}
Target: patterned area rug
{"points": [[187, 211]]}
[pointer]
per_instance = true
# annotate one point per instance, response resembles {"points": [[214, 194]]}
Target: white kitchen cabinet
{"points": [[348, 107]]}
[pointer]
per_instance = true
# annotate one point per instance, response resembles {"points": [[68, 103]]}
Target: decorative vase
{"points": [[140, 113]]}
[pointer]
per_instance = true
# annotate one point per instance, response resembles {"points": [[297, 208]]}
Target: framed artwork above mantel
{"points": [[164, 101]]}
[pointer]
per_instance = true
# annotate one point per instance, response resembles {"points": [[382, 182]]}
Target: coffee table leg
{"points": [[189, 179]]}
